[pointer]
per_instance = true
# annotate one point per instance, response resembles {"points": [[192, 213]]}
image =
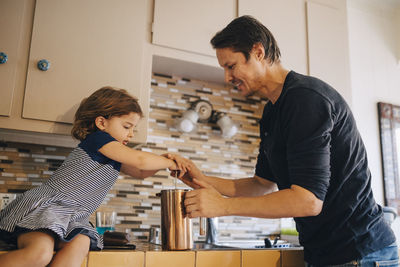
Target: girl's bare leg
{"points": [[72, 254], [34, 249]]}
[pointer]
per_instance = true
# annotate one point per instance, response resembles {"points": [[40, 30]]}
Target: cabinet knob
{"points": [[3, 57], [43, 65]]}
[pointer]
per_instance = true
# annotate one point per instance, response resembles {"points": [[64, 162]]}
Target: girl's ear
{"points": [[100, 122]]}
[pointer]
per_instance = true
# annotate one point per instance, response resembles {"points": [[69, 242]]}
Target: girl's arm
{"points": [[134, 158], [136, 173], [180, 162]]}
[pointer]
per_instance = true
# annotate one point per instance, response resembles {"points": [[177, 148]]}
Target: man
{"points": [[310, 148]]}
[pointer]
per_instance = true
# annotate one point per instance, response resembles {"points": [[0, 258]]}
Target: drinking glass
{"points": [[105, 221]]}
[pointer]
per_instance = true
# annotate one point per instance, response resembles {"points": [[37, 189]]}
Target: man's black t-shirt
{"points": [[309, 138]]}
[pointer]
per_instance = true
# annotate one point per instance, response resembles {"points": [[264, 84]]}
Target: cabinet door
{"points": [[220, 258], [89, 44], [190, 24], [116, 259], [261, 258], [170, 258], [10, 33], [328, 44], [292, 258], [398, 38], [286, 19], [84, 262]]}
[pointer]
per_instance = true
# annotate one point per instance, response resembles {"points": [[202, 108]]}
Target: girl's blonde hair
{"points": [[106, 102]]}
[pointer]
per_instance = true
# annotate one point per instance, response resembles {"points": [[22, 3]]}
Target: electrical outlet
{"points": [[5, 199]]}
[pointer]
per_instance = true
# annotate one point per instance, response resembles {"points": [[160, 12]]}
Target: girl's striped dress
{"points": [[65, 202]]}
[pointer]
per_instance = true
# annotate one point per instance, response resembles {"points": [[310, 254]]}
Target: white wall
{"points": [[375, 74]]}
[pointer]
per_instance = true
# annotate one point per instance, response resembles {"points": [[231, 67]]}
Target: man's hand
{"points": [[205, 201]]}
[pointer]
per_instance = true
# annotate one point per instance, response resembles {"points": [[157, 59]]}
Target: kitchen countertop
{"points": [[151, 255], [146, 246]]}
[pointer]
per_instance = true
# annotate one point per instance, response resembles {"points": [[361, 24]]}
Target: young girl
{"points": [[56, 214]]}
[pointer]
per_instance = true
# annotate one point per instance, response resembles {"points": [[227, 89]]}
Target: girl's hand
{"points": [[182, 164], [191, 173]]}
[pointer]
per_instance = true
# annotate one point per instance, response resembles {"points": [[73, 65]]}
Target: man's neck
{"points": [[273, 82]]}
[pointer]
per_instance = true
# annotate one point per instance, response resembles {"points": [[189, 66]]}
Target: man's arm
{"points": [[253, 197], [252, 186], [293, 202]]}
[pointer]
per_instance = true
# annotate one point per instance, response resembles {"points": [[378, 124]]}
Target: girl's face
{"points": [[119, 127]]}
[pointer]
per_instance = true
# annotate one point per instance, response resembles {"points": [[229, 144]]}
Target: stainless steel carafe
{"points": [[176, 226]]}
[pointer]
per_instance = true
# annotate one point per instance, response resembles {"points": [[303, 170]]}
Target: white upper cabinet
{"points": [[88, 44], [10, 34], [190, 24], [286, 19], [328, 44], [398, 35]]}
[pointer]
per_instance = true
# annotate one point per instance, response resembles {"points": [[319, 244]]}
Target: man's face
{"points": [[239, 72]]}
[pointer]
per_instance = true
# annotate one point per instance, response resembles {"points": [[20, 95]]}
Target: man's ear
{"points": [[258, 51], [100, 122]]}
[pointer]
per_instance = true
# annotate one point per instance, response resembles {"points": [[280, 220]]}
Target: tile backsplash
{"points": [[24, 166]]}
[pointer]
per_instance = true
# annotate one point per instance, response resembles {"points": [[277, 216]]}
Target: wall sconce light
{"points": [[202, 111], [187, 122], [227, 126]]}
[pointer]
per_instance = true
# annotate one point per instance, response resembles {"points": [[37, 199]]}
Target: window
{"points": [[389, 126]]}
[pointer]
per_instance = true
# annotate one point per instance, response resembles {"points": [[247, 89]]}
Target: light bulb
{"points": [[188, 121], [227, 126], [186, 125], [228, 132]]}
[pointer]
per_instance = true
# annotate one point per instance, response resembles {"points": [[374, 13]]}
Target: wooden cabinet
{"points": [[328, 44], [311, 34], [170, 258], [219, 258], [94, 43], [89, 44], [292, 258], [84, 263], [286, 19], [261, 258], [190, 24], [116, 259], [206, 258], [398, 37], [10, 33]]}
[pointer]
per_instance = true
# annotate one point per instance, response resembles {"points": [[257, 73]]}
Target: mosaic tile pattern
{"points": [[23, 166]]}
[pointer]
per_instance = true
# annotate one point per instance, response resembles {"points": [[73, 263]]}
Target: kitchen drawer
{"points": [[170, 258], [116, 259], [261, 258], [292, 258], [223, 258]]}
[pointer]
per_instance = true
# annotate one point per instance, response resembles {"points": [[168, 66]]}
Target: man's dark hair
{"points": [[242, 33]]}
